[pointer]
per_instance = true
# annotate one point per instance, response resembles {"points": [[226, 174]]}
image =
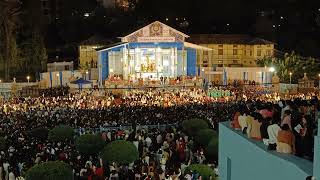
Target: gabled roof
{"points": [[226, 39], [110, 46], [96, 40], [181, 33]]}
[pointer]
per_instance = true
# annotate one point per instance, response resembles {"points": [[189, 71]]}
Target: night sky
{"points": [[292, 24]]}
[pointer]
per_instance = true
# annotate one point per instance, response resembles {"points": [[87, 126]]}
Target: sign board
{"points": [[156, 39], [215, 93]]}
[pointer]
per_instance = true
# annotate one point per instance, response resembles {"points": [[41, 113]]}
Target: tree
{"points": [[291, 62], [205, 171], [213, 148], [122, 152], [89, 144], [9, 15], [61, 133], [34, 56], [50, 170], [192, 126], [204, 136], [3, 145], [39, 133]]}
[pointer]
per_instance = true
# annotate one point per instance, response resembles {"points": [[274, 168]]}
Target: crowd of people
{"points": [[287, 126], [168, 150], [163, 153]]}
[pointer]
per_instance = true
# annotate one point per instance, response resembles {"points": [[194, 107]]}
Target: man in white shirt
{"points": [[273, 130]]}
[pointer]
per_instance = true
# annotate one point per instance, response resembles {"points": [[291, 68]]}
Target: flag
{"points": [[225, 78], [60, 75], [50, 74]]}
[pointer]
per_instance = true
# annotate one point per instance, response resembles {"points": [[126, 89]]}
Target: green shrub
{"points": [[192, 126], [61, 133], [89, 144], [212, 149], [3, 145], [122, 152], [39, 133], [204, 170], [49, 171], [204, 136]]}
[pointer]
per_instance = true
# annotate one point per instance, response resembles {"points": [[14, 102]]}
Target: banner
{"points": [[50, 74], [216, 93], [60, 75]]}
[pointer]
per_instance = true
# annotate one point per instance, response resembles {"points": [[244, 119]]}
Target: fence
{"points": [[111, 128]]}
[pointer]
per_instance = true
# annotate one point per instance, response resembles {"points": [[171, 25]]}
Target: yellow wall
{"points": [[233, 54], [88, 53]]}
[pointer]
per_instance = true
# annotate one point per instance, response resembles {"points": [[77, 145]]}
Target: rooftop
{"points": [[96, 40], [226, 39]]}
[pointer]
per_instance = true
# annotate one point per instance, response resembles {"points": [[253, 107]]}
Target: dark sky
{"points": [[292, 24]]}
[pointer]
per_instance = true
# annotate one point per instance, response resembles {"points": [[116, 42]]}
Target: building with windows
{"points": [[231, 50], [150, 52], [51, 9], [88, 56]]}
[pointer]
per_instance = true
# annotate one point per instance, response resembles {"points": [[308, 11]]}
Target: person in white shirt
{"points": [[273, 130]]}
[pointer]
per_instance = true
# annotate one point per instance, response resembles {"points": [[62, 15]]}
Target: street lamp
{"points": [[57, 79], [272, 69], [87, 75], [28, 78], [318, 85], [290, 76]]}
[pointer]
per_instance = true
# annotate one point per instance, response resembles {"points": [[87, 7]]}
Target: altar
{"points": [[152, 52]]}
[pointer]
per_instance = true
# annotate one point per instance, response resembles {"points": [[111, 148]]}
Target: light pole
{"points": [[57, 79], [319, 82], [87, 75], [290, 76], [28, 78]]}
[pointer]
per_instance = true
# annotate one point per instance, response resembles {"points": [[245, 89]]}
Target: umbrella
{"points": [[80, 82]]}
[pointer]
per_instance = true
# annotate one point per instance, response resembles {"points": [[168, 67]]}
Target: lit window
{"points": [[268, 52], [258, 52], [235, 52]]}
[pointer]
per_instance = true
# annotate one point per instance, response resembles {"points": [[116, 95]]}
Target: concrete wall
{"points": [[241, 158]]}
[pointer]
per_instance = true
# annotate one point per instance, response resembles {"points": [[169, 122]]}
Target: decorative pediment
{"points": [[155, 32]]}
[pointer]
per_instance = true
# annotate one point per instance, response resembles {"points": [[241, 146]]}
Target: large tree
{"points": [[9, 20]]}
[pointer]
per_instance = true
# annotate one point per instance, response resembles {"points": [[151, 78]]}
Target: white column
{"points": [[172, 64]]}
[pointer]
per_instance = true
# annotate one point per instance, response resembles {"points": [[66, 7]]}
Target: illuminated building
{"points": [[151, 52]]}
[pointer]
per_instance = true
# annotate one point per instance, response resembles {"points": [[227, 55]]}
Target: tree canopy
{"points": [[49, 171], [122, 152]]}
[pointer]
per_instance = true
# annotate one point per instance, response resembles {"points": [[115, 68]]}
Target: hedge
{"points": [[89, 144], [121, 152], [213, 148], [39, 133], [204, 170], [3, 145], [50, 170], [204, 136], [61, 133], [192, 126]]}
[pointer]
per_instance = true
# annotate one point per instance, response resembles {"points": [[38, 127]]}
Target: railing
{"points": [[247, 159], [127, 127]]}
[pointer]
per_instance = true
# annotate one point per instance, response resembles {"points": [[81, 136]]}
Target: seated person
{"points": [[254, 131], [235, 122], [286, 140], [273, 131]]}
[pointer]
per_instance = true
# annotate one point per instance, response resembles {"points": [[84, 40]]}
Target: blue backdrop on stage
{"points": [[191, 62]]}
